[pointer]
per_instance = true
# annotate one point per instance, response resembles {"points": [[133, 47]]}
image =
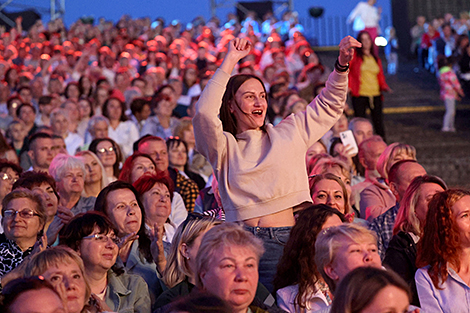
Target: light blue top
{"points": [[454, 297]]}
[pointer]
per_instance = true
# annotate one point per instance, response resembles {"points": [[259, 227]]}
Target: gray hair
{"points": [[331, 239], [224, 235], [95, 120], [354, 121], [56, 112], [63, 163]]}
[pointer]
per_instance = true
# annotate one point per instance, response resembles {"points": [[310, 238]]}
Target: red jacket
{"points": [[355, 74]]}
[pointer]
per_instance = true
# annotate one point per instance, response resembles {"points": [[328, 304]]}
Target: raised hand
{"points": [[346, 49], [156, 247], [238, 48], [126, 239]]}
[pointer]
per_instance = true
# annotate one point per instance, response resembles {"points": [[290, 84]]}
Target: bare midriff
{"points": [[283, 218]]}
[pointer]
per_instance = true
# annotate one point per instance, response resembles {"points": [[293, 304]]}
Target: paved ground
{"points": [[413, 115]]}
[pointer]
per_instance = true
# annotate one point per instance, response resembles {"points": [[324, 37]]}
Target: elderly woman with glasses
{"points": [[69, 173], [95, 240], [23, 219]]}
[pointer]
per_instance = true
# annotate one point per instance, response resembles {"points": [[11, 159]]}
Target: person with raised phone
{"points": [[260, 167]]}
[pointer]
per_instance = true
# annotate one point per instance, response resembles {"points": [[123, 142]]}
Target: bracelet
{"points": [[341, 68]]}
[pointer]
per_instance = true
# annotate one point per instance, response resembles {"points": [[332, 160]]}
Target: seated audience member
{"points": [[45, 108], [401, 252], [135, 166], [40, 152], [361, 128], [378, 198], [69, 173], [58, 145], [9, 173], [16, 135], [370, 150], [298, 283], [109, 153], [86, 112], [43, 185], [63, 267], [140, 108], [24, 295], [95, 178], [178, 159], [7, 152], [23, 219], [231, 248], [442, 257], [139, 164], [156, 148], [196, 162], [400, 176], [317, 148], [97, 128], [27, 114], [180, 272], [60, 126], [368, 289], [162, 124], [120, 129], [120, 202], [329, 189], [333, 255], [94, 238], [156, 194]]}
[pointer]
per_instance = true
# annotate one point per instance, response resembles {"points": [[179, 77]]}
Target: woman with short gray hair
{"points": [[69, 173]]}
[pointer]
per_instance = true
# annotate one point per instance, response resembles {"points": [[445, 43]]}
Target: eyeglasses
{"points": [[10, 213], [104, 150], [103, 238], [7, 177]]}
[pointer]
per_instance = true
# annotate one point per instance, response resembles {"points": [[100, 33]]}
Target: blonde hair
{"points": [[386, 159], [177, 268], [331, 239], [313, 180], [104, 177], [224, 235], [52, 257]]}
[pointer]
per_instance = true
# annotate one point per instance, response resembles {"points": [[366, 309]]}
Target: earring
{"points": [[187, 258]]}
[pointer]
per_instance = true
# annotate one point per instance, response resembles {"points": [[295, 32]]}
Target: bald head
{"points": [[401, 174]]}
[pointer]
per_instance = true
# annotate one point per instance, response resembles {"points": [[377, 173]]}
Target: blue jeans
{"points": [[274, 239]]}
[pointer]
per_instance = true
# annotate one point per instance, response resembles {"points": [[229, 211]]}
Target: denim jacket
{"points": [[127, 293]]}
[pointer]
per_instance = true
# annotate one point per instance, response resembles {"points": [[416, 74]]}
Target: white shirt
{"points": [[367, 13], [125, 135], [72, 142]]}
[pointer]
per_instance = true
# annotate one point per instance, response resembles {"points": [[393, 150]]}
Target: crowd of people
{"points": [[148, 167], [443, 47]]}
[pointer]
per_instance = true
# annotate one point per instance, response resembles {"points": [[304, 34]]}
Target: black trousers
{"points": [[361, 104]]}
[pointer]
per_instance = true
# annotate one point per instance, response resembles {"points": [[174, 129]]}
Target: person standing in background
{"points": [[366, 17]]}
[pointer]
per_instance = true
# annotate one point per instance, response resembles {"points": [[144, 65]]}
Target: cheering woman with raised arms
{"points": [[261, 168]]}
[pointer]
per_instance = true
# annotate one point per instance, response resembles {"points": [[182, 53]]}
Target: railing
{"points": [[329, 30]]}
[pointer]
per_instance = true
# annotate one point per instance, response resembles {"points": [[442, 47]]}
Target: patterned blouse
{"points": [[11, 256]]}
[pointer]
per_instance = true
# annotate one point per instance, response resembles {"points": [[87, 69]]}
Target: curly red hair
{"points": [[440, 241]]}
